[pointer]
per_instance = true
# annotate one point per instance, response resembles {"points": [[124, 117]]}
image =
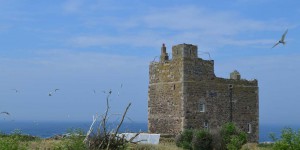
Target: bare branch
{"points": [[91, 128]]}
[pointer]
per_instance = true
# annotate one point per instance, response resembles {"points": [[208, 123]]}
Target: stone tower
{"points": [[185, 93]]}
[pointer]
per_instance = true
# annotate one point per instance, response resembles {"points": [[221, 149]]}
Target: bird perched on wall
{"points": [[4, 112], [282, 40]]}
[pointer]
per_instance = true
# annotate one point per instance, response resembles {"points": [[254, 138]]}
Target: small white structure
{"points": [[143, 138]]}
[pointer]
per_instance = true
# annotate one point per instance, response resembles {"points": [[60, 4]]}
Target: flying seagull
{"points": [[4, 112], [120, 88], [15, 90], [282, 39], [51, 93]]}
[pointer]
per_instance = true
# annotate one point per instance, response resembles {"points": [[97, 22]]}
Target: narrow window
{"points": [[206, 125], [249, 128], [174, 87], [202, 107]]}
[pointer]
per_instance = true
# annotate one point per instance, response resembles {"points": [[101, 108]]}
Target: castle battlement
{"points": [[184, 92]]}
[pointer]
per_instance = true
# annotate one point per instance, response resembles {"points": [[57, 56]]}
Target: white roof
{"points": [[144, 138]]}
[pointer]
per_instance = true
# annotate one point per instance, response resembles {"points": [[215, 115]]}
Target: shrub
{"points": [[232, 138], [73, 141], [202, 140], [17, 135], [290, 140], [184, 139], [236, 142], [14, 141], [103, 137], [194, 140], [10, 144]]}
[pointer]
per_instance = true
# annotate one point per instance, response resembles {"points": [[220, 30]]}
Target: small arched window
{"points": [[205, 125], [202, 107], [249, 128]]}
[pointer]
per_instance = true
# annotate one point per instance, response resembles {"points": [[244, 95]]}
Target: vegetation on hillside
{"points": [[232, 138], [194, 140], [289, 140], [228, 138]]}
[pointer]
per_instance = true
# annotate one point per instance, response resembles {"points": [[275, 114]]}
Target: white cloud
{"points": [[60, 59], [72, 6], [265, 43], [188, 24], [139, 40], [207, 21]]}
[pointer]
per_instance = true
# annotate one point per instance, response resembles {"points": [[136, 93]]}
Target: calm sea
{"points": [[49, 129]]}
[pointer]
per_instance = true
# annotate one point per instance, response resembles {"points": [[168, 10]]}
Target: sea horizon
{"points": [[47, 129]]}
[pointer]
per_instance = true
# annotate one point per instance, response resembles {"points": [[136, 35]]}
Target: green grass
{"points": [[19, 141], [9, 142]]}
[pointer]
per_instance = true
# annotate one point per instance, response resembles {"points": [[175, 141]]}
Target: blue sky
{"points": [[82, 45]]}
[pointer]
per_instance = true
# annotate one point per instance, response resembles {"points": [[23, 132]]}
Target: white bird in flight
{"points": [[51, 93], [15, 90], [4, 112], [120, 88], [282, 39]]}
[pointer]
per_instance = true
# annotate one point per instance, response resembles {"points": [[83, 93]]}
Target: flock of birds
{"points": [[281, 41], [51, 93]]}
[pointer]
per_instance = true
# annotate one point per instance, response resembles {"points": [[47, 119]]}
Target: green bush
{"points": [[19, 136], [232, 138], [9, 144], [184, 139], [194, 140], [74, 141], [202, 140], [14, 140], [290, 140]]}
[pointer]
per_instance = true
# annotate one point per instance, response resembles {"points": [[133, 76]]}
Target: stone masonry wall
{"points": [[215, 95], [177, 87], [165, 97]]}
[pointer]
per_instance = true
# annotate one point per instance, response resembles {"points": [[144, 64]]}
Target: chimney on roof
{"points": [[164, 55]]}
